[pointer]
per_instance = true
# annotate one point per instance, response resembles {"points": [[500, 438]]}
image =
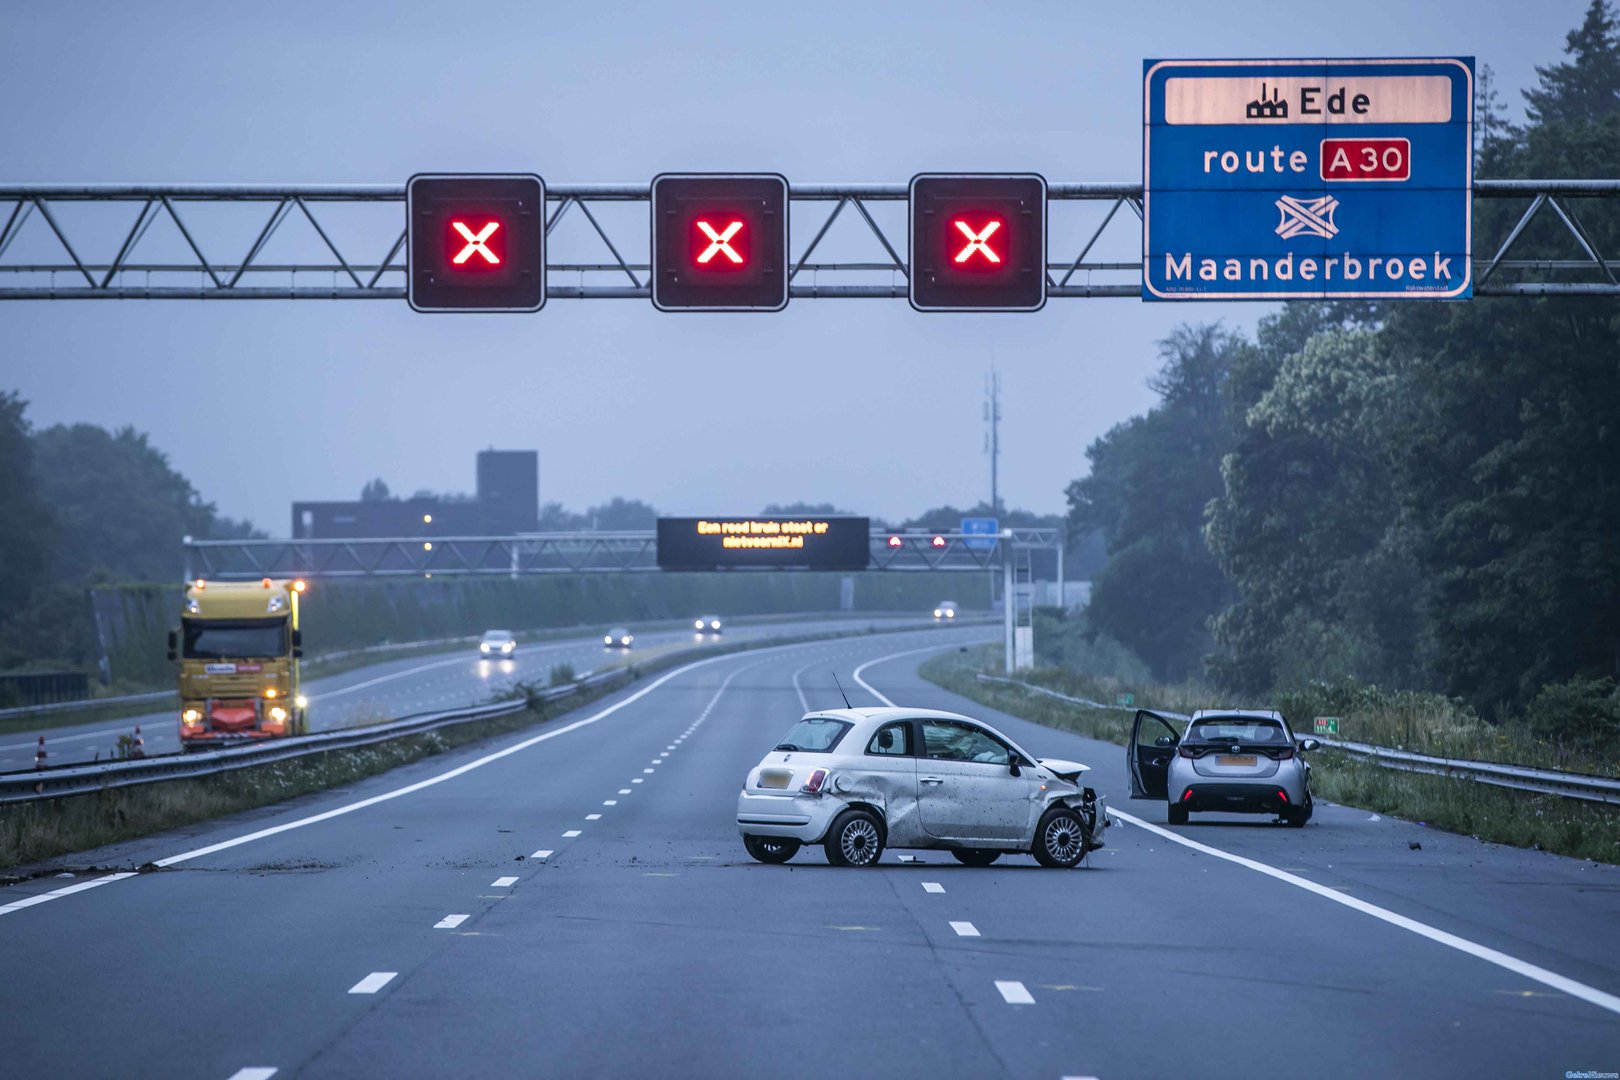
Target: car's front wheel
{"points": [[975, 856], [855, 839], [1060, 839], [771, 849]]}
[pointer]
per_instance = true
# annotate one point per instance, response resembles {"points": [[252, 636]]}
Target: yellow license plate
{"points": [[1235, 759], [775, 779]]}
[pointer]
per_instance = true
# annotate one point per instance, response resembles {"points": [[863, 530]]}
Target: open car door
{"points": [[1147, 755]]}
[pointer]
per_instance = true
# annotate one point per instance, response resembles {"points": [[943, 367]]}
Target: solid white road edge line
{"points": [[1491, 956], [1534, 972], [409, 789]]}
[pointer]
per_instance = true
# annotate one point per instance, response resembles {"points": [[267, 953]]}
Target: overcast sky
{"points": [[863, 403]]}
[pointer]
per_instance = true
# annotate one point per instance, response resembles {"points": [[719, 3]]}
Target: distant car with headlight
{"points": [[1233, 761], [707, 624], [617, 637], [857, 781], [496, 645], [946, 609]]}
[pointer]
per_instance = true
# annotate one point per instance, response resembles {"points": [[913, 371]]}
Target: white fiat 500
{"points": [[859, 780]]}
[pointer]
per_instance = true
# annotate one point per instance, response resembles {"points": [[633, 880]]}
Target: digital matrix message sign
{"points": [[978, 242], [764, 543], [1307, 179], [720, 242], [475, 242]]}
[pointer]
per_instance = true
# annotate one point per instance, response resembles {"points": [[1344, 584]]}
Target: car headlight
{"points": [[608, 640], [938, 613], [508, 646], [625, 639], [483, 646], [698, 625], [715, 625], [950, 614]]}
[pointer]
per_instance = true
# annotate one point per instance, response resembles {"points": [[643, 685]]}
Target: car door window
{"points": [[947, 740], [892, 740]]}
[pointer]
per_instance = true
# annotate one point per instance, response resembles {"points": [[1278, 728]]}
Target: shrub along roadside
{"points": [[1499, 815], [34, 831]]}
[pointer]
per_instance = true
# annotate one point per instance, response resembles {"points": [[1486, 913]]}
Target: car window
{"points": [[892, 739], [1239, 729], [1150, 729], [814, 734], [949, 740]]}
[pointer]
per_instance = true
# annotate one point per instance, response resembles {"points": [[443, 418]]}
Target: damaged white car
{"points": [[859, 780]]}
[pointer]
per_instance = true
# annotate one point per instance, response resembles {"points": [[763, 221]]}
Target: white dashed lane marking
{"points": [[646, 770], [543, 854], [570, 834], [254, 1072], [966, 929], [624, 791], [450, 922], [933, 887], [503, 883], [593, 817], [373, 982], [610, 802], [1013, 993]]}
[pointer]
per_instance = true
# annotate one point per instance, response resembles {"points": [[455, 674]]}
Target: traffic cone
{"points": [[139, 749], [39, 754]]}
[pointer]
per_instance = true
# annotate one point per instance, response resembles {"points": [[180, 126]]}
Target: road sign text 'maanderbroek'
{"points": [[727, 543], [1307, 179]]}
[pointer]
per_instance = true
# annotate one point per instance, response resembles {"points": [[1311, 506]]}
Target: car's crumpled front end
{"points": [[1092, 807]]}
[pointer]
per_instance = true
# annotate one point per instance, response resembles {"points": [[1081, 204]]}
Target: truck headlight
{"points": [[191, 716], [278, 713]]}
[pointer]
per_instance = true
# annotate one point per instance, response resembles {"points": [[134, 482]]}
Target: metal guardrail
{"points": [[85, 779], [85, 703], [1602, 789]]}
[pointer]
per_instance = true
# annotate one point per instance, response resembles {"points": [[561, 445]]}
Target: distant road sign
{"points": [[1307, 179], [720, 242], [1125, 700], [764, 543], [987, 527], [1327, 725], [978, 242]]}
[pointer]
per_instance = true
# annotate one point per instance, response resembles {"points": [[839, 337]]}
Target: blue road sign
{"points": [[1307, 179], [980, 526]]}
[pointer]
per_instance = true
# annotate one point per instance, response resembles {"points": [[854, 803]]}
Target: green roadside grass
{"points": [[1499, 815]]}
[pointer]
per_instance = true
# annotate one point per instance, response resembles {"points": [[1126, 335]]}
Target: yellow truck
{"points": [[238, 649]]}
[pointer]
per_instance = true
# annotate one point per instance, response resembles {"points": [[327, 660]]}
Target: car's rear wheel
{"points": [[1177, 815], [1060, 839], [975, 856], [855, 839], [771, 849], [1295, 817]]}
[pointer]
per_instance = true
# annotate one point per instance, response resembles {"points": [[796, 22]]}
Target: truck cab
{"points": [[238, 649]]}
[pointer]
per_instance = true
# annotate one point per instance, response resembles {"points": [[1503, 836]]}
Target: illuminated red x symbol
{"points": [[976, 241], [475, 243], [720, 242]]}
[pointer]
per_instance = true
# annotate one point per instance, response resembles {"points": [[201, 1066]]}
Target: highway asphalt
{"points": [[573, 900], [394, 688]]}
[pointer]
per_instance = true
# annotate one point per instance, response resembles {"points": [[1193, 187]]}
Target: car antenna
{"points": [[840, 686]]}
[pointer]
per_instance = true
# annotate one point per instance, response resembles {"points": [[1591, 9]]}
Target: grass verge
{"points": [[1500, 815]]}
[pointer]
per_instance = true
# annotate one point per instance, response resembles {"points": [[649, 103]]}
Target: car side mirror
{"points": [[1014, 769], [1309, 744], [174, 645], [1164, 740]]}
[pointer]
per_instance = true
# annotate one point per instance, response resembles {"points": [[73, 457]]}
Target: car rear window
{"points": [[1238, 729], [814, 734]]}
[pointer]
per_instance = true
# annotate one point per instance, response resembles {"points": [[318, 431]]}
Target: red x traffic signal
{"points": [[978, 242], [475, 242], [719, 242]]}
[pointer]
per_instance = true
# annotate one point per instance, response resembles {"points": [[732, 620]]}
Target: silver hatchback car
{"points": [[859, 780], [1227, 760]]}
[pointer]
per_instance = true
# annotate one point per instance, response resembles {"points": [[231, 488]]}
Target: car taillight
{"points": [[1285, 753], [1182, 751], [1186, 796], [1283, 795], [813, 782]]}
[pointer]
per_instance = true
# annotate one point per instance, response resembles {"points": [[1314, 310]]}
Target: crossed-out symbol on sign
{"points": [[1307, 218], [976, 241], [475, 243], [720, 242]]}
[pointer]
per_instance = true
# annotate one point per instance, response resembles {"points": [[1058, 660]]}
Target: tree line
{"points": [[1420, 494]]}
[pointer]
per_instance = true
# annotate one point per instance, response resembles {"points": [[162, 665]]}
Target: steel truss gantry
{"points": [[168, 241], [554, 553]]}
